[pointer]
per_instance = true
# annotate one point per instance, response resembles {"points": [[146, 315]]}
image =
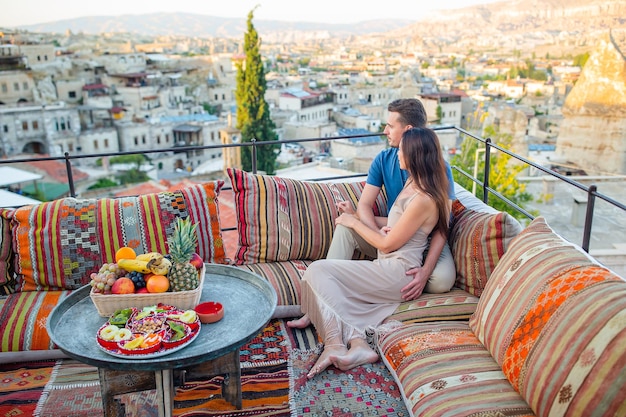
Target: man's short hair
{"points": [[411, 111]]}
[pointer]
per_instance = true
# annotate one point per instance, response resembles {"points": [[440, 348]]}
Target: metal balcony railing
{"points": [[591, 191]]}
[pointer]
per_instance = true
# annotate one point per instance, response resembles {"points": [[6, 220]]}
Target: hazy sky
{"points": [[24, 12]]}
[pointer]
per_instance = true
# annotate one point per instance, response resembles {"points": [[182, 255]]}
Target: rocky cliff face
{"points": [[593, 132]]}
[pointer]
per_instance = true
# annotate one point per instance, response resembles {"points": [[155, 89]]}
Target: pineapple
{"points": [[183, 275]]}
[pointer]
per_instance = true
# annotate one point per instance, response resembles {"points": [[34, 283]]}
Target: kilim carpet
{"points": [[21, 386], [367, 390], [274, 366]]}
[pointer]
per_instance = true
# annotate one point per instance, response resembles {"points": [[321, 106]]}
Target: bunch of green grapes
{"points": [[103, 280]]}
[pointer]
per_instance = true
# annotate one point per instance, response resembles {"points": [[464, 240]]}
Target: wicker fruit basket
{"points": [[107, 304]]}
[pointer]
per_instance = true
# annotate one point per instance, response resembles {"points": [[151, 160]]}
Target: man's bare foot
{"points": [[356, 356], [301, 323], [324, 361]]}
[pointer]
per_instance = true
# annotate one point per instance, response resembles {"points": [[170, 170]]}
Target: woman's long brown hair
{"points": [[424, 161]]}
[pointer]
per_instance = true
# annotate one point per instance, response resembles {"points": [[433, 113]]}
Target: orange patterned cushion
{"points": [[478, 240], [60, 243], [555, 320]]}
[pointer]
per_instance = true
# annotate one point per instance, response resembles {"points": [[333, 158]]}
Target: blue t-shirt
{"points": [[385, 171]]}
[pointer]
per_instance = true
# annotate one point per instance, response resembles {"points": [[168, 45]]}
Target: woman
{"points": [[343, 298]]}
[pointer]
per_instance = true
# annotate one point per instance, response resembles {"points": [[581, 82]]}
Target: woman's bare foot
{"points": [[324, 360], [301, 323], [359, 354]]}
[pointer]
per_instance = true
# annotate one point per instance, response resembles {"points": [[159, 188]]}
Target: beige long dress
{"points": [[357, 295]]}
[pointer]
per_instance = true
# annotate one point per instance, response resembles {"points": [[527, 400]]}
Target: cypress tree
{"points": [[253, 113]]}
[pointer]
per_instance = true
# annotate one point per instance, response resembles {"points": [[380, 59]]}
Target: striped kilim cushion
{"points": [[23, 320], [556, 322], [60, 243], [478, 240], [281, 219], [444, 370], [285, 278], [453, 305], [7, 277]]}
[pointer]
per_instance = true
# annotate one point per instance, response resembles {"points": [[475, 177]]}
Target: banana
{"points": [[162, 268], [134, 265], [150, 257]]}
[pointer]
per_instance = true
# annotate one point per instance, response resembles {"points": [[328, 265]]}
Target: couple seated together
{"points": [[343, 298]]}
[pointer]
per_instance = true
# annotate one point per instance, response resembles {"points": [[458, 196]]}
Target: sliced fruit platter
{"points": [[148, 332]]}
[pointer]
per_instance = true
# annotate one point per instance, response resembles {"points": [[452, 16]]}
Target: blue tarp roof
{"points": [[190, 118], [362, 139]]}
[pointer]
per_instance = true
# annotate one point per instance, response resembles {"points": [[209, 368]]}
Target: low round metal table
{"points": [[249, 302]]}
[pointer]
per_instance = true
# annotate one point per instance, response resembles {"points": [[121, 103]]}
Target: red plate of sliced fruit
{"points": [[149, 332]]}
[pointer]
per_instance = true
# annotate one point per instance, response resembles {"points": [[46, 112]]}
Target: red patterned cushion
{"points": [[7, 277], [281, 219], [443, 369], [61, 242], [478, 240], [555, 320]]}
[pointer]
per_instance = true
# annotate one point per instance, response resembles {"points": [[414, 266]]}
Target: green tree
{"points": [[502, 174], [253, 113]]}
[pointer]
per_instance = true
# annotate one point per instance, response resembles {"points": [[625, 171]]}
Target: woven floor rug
{"points": [[74, 391], [367, 390], [21, 386]]}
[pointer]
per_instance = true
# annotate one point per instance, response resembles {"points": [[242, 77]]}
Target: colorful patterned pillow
{"points": [[555, 320], [285, 277], [23, 320], [281, 219], [7, 277], [478, 240], [59, 243]]}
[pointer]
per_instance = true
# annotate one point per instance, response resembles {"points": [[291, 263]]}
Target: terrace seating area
{"points": [[533, 326]]}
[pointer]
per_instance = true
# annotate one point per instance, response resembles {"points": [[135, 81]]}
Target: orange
{"points": [[125, 253], [157, 283]]}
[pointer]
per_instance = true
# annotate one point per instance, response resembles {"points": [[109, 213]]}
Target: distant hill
{"points": [[196, 25], [576, 20]]}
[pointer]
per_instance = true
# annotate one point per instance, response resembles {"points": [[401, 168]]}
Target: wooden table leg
{"points": [[114, 383], [165, 392], [227, 365]]}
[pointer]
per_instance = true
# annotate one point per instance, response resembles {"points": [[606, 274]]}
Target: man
{"points": [[438, 273]]}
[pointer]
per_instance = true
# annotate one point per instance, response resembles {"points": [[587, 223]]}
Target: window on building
{"points": [[5, 128], [212, 135], [4, 87], [223, 96], [63, 127], [71, 94], [106, 142], [38, 57], [70, 147], [69, 124], [45, 57], [95, 144], [143, 139], [24, 125], [56, 124], [167, 138], [136, 140], [25, 86], [158, 139], [217, 97], [16, 86], [35, 124]]}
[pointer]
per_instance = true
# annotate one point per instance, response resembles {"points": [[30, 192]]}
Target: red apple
{"points": [[123, 286], [141, 290], [197, 261]]}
